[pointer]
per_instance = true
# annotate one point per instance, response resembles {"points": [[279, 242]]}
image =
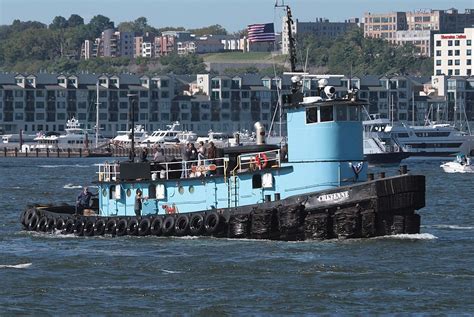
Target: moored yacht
{"points": [[123, 138], [74, 138], [171, 135]]}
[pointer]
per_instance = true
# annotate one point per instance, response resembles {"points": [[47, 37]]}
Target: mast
{"points": [[97, 103], [413, 108]]}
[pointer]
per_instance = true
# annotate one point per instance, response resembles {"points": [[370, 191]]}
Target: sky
{"points": [[234, 15]]}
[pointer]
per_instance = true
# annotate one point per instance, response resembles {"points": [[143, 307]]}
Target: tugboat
{"points": [[319, 189]]}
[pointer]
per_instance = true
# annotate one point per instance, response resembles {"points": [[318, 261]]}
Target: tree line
{"points": [[31, 46]]}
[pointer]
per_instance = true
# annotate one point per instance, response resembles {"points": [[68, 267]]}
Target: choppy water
{"points": [[429, 273]]}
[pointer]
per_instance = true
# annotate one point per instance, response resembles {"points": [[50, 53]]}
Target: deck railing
{"points": [[110, 172]]}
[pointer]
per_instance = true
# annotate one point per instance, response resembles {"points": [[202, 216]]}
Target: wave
{"points": [[405, 236], [65, 165], [16, 266], [453, 227], [170, 272], [71, 186]]}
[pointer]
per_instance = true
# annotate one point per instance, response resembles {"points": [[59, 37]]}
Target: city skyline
{"points": [[195, 14]]}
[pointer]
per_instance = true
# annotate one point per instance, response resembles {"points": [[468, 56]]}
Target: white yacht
{"points": [[16, 140], [379, 144], [172, 135], [218, 138], [123, 138], [432, 140], [75, 138]]}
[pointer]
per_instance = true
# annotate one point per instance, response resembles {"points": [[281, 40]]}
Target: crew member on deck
{"points": [[83, 200]]}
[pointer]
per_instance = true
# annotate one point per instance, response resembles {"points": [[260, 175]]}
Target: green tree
{"points": [[59, 22], [75, 20], [215, 29], [99, 23]]}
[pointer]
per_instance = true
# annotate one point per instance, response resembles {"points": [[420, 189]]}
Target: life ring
{"points": [[262, 160], [169, 209]]}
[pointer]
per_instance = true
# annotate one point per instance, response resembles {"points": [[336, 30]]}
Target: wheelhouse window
{"points": [[341, 113], [326, 114], [311, 115], [354, 113]]}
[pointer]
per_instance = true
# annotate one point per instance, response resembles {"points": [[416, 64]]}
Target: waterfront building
{"points": [[416, 27], [43, 102], [453, 53], [321, 28]]}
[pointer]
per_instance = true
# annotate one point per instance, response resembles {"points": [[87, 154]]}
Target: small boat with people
{"points": [[461, 164], [320, 188]]}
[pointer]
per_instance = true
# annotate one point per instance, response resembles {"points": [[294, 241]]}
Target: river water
{"points": [[42, 274]]}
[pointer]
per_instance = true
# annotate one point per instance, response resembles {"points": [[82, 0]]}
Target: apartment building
{"points": [[413, 27], [321, 28], [43, 102], [111, 44], [453, 53]]}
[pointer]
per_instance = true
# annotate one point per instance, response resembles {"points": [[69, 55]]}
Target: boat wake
{"points": [[71, 186], [416, 236], [453, 227], [16, 266], [65, 165]]}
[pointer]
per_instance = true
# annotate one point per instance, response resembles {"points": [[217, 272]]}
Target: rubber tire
{"points": [[51, 225], [99, 227], [196, 224], [69, 226], [144, 227], [22, 218], [60, 224], [122, 226], [212, 223], [156, 226], [111, 227], [168, 226], [89, 228], [132, 228], [33, 223], [42, 224], [29, 214], [79, 226], [181, 225]]}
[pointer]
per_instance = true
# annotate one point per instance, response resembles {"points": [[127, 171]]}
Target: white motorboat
{"points": [[172, 135], [462, 164], [75, 138], [123, 138]]}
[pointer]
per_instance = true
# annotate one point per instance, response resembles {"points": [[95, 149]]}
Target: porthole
{"points": [[104, 192], [181, 190], [129, 192], [191, 189]]}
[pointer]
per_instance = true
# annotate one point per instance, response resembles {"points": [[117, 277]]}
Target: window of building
{"points": [[457, 52], [245, 94], [164, 83], [82, 105], [438, 43], [18, 116], [468, 42], [19, 93], [61, 116], [438, 72], [469, 52], [123, 116], [165, 94], [456, 43], [143, 105], [39, 116], [225, 95], [144, 116], [438, 62], [450, 62], [18, 105], [457, 62], [468, 62], [40, 104], [450, 43], [81, 116], [165, 116], [103, 94], [123, 94], [143, 94], [450, 53], [450, 72], [39, 93], [438, 53], [457, 72]]}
